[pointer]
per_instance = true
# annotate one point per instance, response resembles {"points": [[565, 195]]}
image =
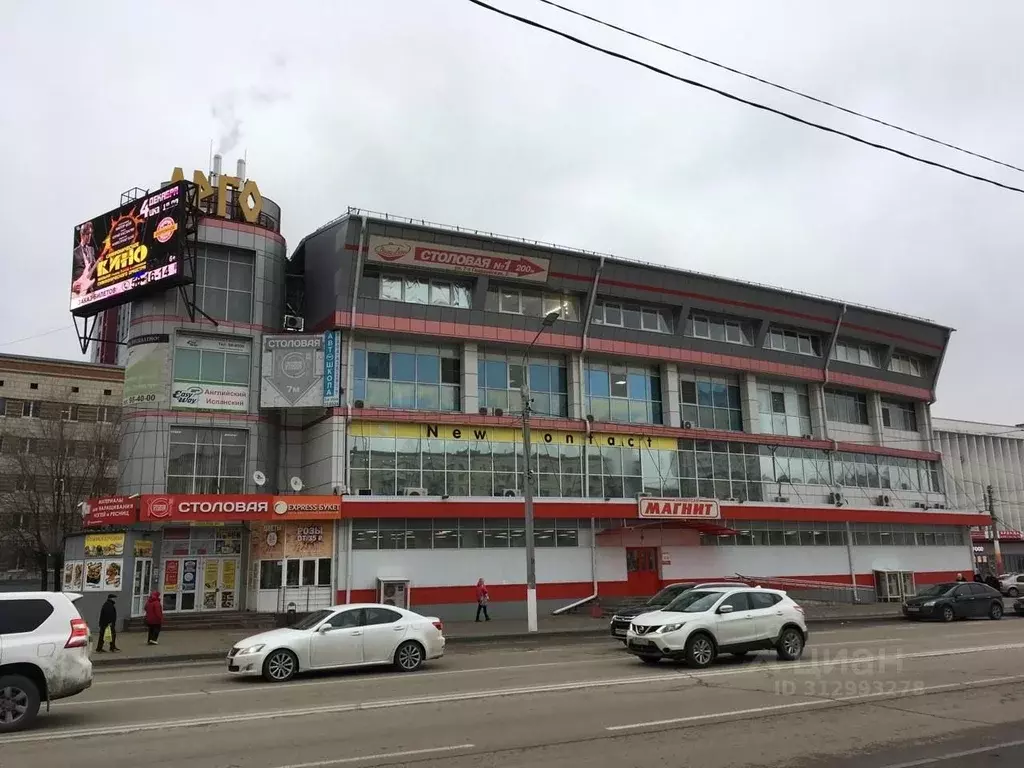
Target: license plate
{"points": [[913, 609], [642, 642], [619, 632]]}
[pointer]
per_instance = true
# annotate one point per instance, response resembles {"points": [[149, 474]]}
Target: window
{"points": [[426, 378], [414, 289], [846, 407], [74, 390], [22, 616], [29, 446], [623, 393], [630, 316], [212, 360], [348, 619], [793, 342], [69, 412], [818, 534], [739, 601], [899, 415], [762, 600], [500, 378], [107, 414], [224, 284], [905, 364], [857, 353], [206, 460], [711, 402], [3, 407], [381, 616], [516, 301], [785, 408], [30, 409], [270, 574], [34, 385], [702, 325], [468, 533]]}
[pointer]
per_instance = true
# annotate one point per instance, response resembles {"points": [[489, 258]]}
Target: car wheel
{"points": [[700, 650], [652, 660], [996, 611], [19, 703], [948, 614], [280, 666], [409, 656], [1013, 592], [791, 644]]}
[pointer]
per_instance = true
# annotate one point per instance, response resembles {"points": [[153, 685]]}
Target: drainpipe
{"points": [[849, 560], [348, 562], [824, 421], [593, 574], [581, 372], [350, 353]]}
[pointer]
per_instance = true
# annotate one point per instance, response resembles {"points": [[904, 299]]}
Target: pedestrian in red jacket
{"points": [[154, 617], [482, 598]]}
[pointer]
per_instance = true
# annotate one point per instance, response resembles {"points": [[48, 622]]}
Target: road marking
{"points": [[381, 756], [447, 698], [954, 755], [822, 703]]}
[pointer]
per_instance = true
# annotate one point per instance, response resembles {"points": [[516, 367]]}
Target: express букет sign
{"points": [[224, 507], [680, 509], [450, 258]]}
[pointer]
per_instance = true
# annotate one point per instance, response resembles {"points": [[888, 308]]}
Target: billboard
{"points": [[227, 507], [679, 509], [450, 258], [300, 371], [135, 249], [225, 353], [147, 371]]}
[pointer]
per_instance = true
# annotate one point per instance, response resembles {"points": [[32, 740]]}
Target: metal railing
{"points": [[808, 590]]}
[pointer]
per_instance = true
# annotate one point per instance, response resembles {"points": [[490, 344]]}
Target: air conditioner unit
{"points": [[938, 506], [294, 323], [835, 498], [509, 491], [393, 592], [807, 437], [358, 403], [364, 492], [499, 412], [920, 505], [782, 499], [482, 410], [884, 501], [414, 491], [687, 425]]}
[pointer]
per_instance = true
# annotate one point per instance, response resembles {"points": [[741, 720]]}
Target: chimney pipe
{"points": [[240, 173], [216, 164]]}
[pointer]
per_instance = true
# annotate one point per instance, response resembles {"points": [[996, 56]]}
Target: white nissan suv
{"points": [[44, 654], [703, 623]]}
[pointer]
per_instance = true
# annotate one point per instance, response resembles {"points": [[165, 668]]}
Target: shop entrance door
{"points": [[642, 571], [142, 584], [220, 583], [200, 584]]}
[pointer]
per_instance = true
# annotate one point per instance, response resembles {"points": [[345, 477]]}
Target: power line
{"points": [[34, 336], [741, 100], [780, 87]]}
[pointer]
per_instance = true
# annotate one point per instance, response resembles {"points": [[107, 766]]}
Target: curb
{"points": [[560, 634]]}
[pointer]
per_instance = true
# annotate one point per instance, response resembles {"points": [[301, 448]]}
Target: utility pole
{"points": [[990, 505]]}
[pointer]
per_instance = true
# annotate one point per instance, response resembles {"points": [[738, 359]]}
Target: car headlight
{"points": [[670, 628], [928, 603], [250, 649]]}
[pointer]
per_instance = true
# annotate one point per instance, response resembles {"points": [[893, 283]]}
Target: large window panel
{"points": [[623, 393], [500, 376], [408, 377], [203, 359], [224, 284], [206, 460]]}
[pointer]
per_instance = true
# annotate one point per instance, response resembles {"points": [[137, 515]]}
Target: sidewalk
{"points": [[213, 644]]}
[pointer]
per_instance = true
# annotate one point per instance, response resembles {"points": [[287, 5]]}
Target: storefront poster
{"points": [[112, 570], [143, 548], [69, 575], [93, 576], [171, 576], [209, 397], [230, 573], [211, 573], [188, 576], [147, 371], [78, 577], [104, 545], [266, 541], [310, 539]]}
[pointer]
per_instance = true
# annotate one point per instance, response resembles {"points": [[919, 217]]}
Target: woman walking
{"points": [[154, 617], [482, 598]]}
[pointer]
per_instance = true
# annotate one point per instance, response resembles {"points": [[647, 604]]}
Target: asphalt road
{"points": [[885, 696]]}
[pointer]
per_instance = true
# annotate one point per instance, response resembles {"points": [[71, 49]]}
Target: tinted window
{"points": [[668, 594], [310, 620], [739, 601], [19, 616], [381, 616], [763, 599], [694, 601], [347, 619], [981, 589], [935, 590], [963, 591]]}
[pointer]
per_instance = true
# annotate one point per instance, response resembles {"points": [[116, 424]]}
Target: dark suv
{"points": [[622, 618]]}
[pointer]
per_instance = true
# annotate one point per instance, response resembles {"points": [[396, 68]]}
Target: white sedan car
{"points": [[703, 623], [343, 636]]}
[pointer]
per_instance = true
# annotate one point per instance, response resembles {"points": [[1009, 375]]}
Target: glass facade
{"points": [[463, 533], [631, 316], [206, 460], [692, 468], [702, 325], [709, 401], [224, 284], [518, 301], [776, 533], [785, 408], [623, 393], [414, 377], [500, 375]]}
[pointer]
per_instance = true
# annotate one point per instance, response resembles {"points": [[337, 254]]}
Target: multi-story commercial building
{"points": [[976, 457], [804, 419], [58, 447]]}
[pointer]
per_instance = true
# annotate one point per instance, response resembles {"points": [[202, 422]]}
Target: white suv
{"points": [[703, 623], [44, 654]]}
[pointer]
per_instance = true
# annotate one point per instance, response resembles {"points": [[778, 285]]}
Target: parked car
{"points": [[619, 624], [343, 636], [704, 623], [44, 654], [1018, 607], [1011, 584], [954, 600]]}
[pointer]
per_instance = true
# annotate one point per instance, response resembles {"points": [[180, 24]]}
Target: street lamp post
{"points": [[531, 567]]}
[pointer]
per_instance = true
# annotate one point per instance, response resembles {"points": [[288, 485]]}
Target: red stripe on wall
{"points": [[222, 325], [239, 226]]}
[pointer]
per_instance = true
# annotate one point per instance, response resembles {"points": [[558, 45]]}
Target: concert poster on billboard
{"points": [[135, 249]]}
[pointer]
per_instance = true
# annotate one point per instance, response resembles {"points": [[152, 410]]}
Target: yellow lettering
{"points": [[200, 180], [250, 202], [222, 193]]}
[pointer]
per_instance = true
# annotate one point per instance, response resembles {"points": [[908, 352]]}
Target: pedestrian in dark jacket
{"points": [[993, 582], [154, 617], [108, 618], [482, 599]]}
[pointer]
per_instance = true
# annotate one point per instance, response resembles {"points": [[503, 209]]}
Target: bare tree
{"points": [[50, 464]]}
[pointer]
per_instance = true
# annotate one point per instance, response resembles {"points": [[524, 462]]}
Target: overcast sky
{"points": [[437, 109]]}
